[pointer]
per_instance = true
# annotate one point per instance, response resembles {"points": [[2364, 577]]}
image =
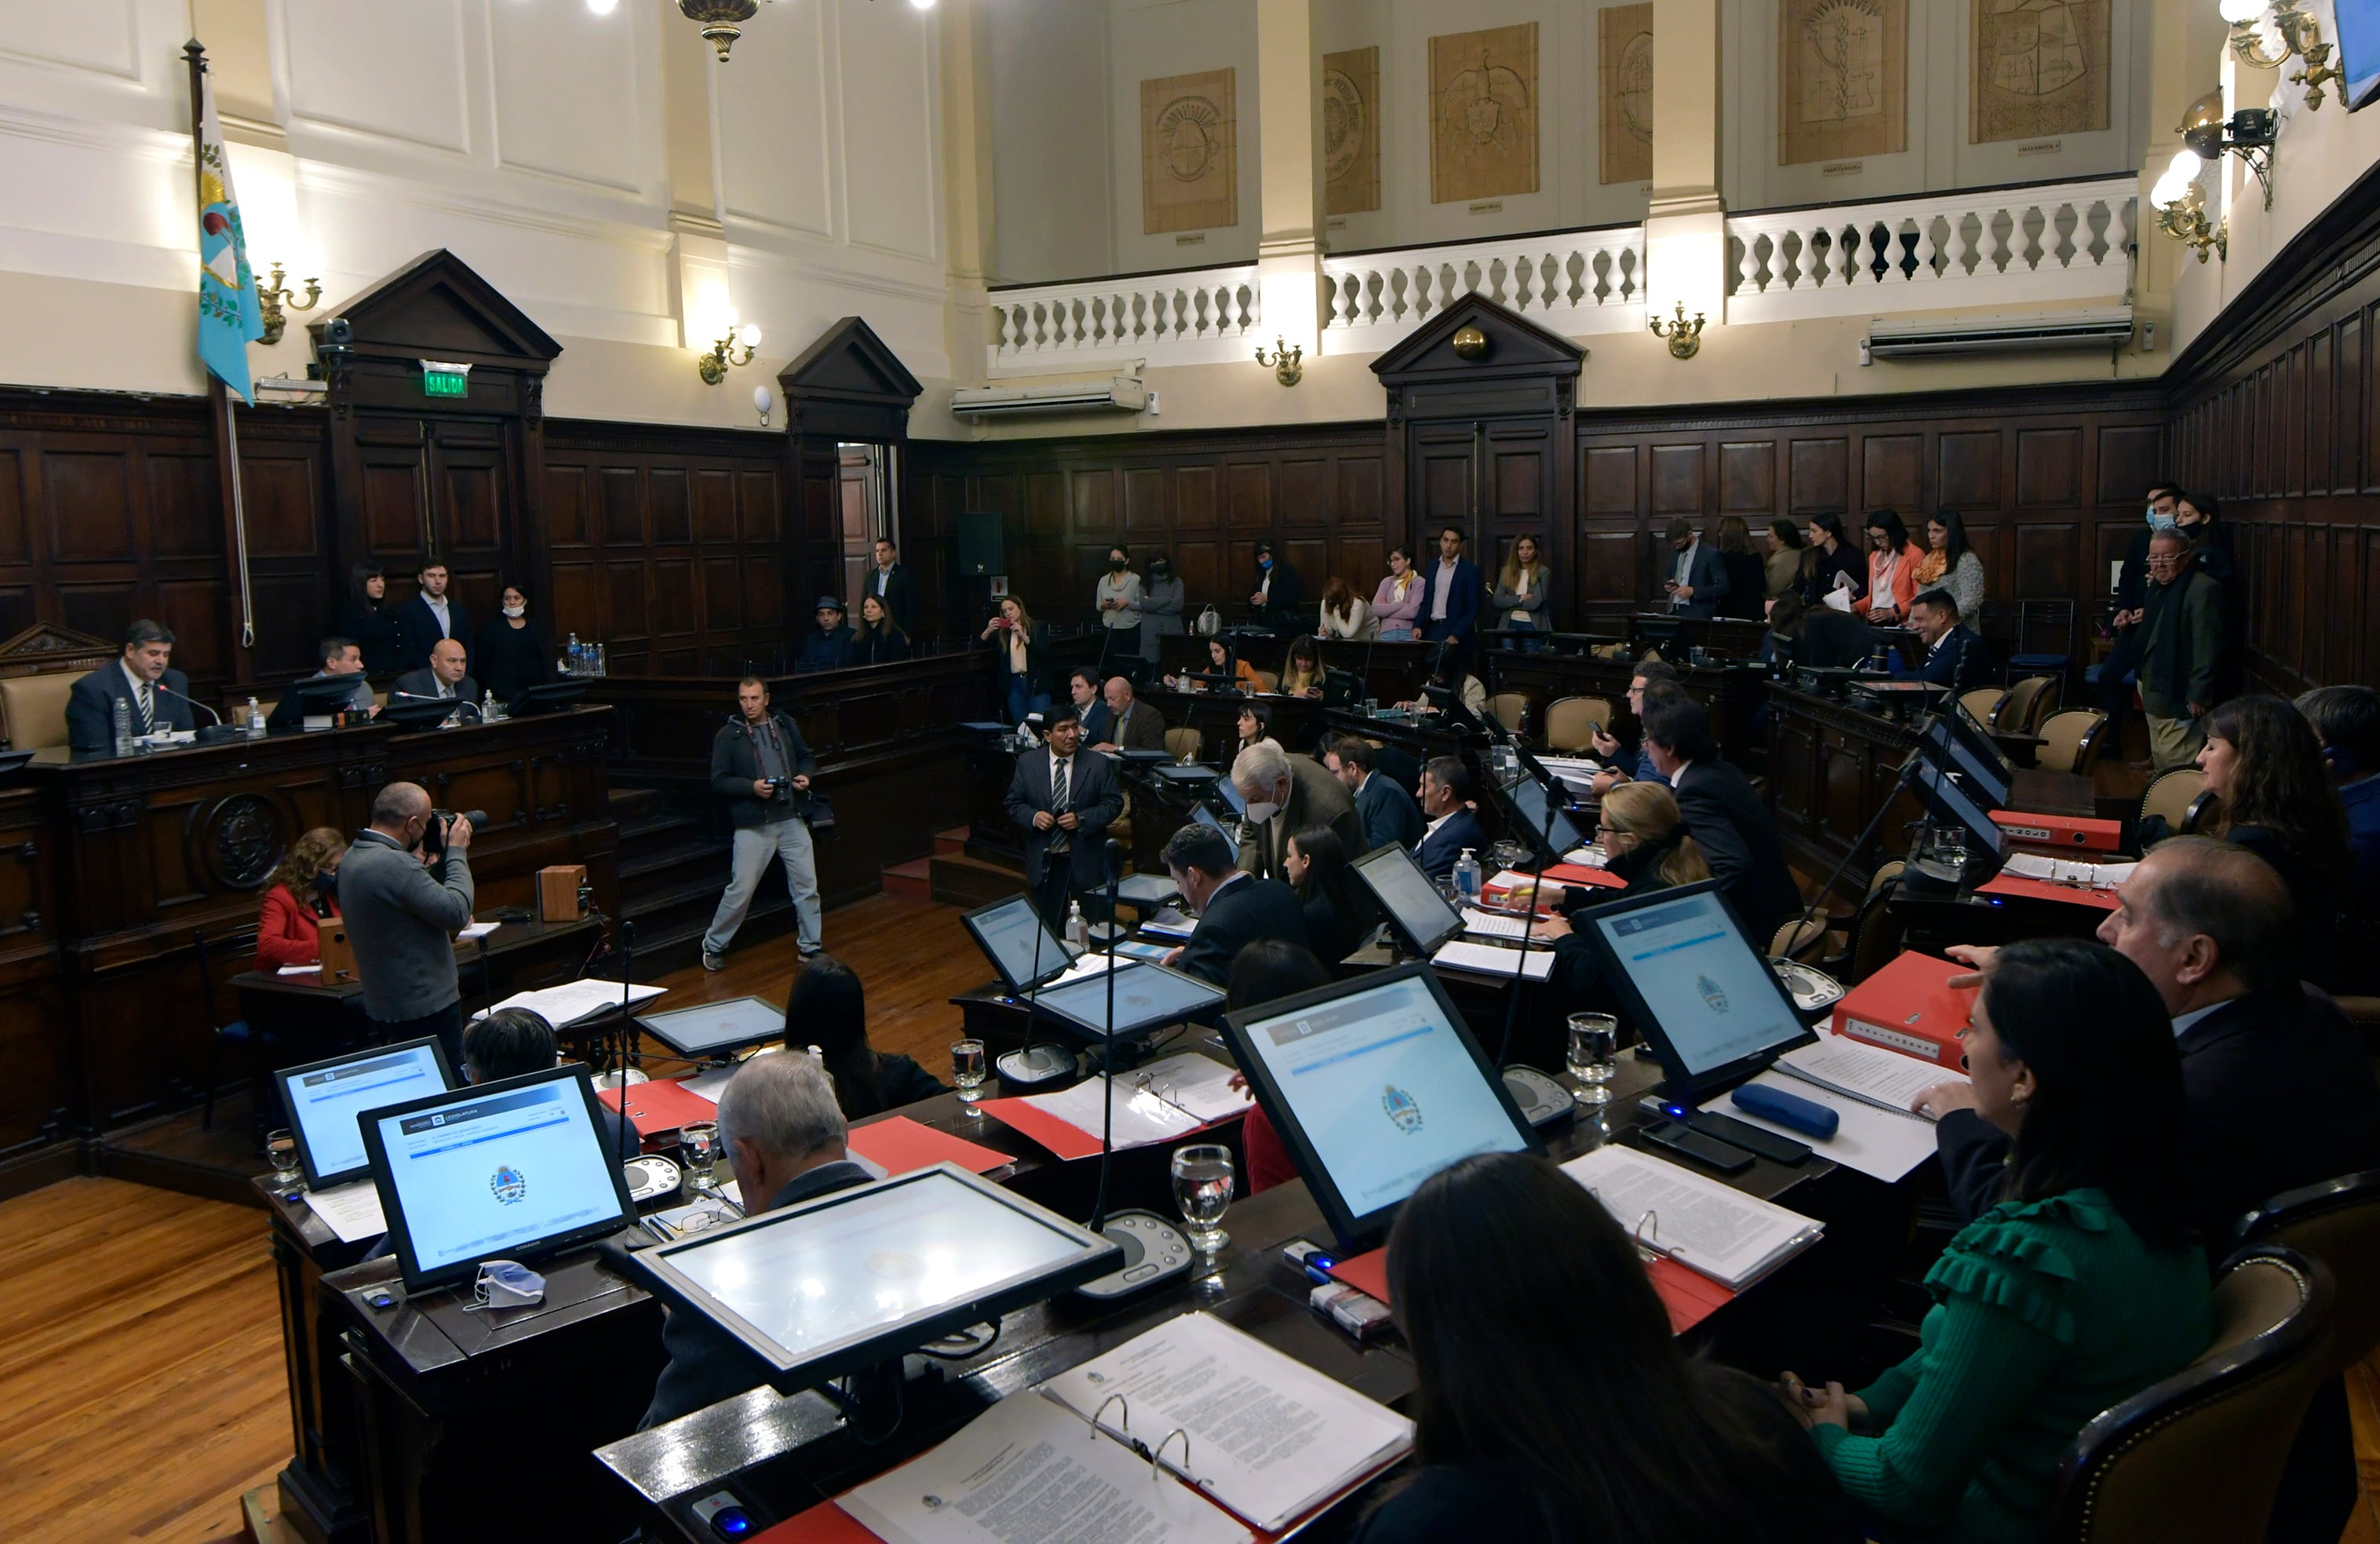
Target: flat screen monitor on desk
{"points": [[1695, 985], [1207, 817], [1954, 801], [1970, 749], [1232, 796], [498, 1170], [1147, 997], [867, 1275], [1531, 802], [546, 697], [1415, 909], [324, 1100], [713, 1028], [1375, 1084], [1017, 943]]}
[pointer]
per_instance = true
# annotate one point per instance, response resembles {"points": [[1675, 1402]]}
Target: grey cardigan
{"points": [[1160, 613], [402, 922], [1506, 602]]}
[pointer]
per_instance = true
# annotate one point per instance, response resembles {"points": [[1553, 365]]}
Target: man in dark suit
{"points": [[2181, 665], [890, 582], [1696, 580], [1956, 656], [1235, 909], [446, 677], [428, 616], [1278, 594], [783, 1136], [341, 660], [1286, 794], [1724, 814], [1450, 592], [1083, 689], [830, 647], [1063, 802], [1390, 815], [1452, 823], [1131, 724], [156, 696]]}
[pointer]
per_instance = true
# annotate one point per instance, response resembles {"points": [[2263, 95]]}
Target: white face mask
{"points": [[516, 611], [1261, 811]]}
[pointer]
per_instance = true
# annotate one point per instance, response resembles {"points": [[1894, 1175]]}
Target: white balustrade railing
{"points": [[2055, 242], [1576, 283], [1203, 316]]}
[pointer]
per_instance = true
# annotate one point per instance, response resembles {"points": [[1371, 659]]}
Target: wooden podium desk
{"points": [[143, 851], [320, 1489]]}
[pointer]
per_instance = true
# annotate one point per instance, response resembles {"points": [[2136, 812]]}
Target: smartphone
{"points": [[1677, 1137], [1752, 1139]]}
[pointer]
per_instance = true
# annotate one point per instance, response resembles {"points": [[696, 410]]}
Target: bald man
{"points": [[2278, 1090], [446, 675], [402, 907]]}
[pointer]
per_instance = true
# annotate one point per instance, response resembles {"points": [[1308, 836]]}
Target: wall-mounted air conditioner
{"points": [[1121, 394], [1984, 334]]}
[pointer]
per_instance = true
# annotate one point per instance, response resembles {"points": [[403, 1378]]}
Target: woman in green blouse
{"points": [[2080, 1288]]}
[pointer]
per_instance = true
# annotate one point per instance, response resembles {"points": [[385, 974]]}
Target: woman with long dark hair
{"points": [[828, 1008], [1017, 637], [2082, 1287], [1747, 577], [1344, 613], [1892, 563], [365, 616], [1254, 726], [880, 639], [1492, 1264], [1318, 867], [1831, 564], [512, 654], [1524, 593], [2263, 759], [1950, 564], [1782, 566]]}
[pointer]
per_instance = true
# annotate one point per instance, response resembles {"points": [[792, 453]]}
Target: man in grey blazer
{"points": [[1696, 580], [402, 916]]}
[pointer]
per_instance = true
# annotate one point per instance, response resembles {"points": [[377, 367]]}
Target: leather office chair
{"points": [[1570, 721], [1269, 680], [2337, 1223], [2024, 706], [1797, 940], [2071, 739], [1982, 703], [1511, 709], [33, 709], [1185, 744], [2171, 793], [2199, 1456]]}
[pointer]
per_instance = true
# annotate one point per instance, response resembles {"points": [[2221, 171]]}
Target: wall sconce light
{"points": [[2252, 43], [273, 300], [734, 346], [1685, 337], [1286, 362], [763, 399], [2247, 134], [2180, 205]]}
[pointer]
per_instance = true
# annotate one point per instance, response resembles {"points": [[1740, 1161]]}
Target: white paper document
{"points": [[1883, 1078], [476, 929], [313, 970], [1489, 924], [1704, 1224], [705, 1085], [1026, 1470], [350, 1210], [1269, 1436], [1142, 1118], [1170, 922], [1873, 1140], [1199, 1086], [567, 1004], [2067, 870], [1488, 960]]}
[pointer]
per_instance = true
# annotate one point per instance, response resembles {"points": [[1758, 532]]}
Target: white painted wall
{"points": [[526, 136], [1150, 40], [1053, 196]]}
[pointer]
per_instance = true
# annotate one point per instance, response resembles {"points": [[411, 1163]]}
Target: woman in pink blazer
{"points": [[1892, 561], [1396, 605]]}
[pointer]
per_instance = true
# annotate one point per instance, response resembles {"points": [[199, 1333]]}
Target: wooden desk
{"points": [[135, 853], [321, 1490]]}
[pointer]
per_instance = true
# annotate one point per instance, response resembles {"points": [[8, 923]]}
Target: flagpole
{"points": [[226, 432]]}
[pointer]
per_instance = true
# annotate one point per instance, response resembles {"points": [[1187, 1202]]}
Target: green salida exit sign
{"points": [[440, 378]]}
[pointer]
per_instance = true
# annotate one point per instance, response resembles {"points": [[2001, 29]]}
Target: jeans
{"points": [[1396, 635], [1525, 645], [1023, 701], [788, 840]]}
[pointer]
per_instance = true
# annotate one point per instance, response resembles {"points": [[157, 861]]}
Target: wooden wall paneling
{"points": [[2048, 469], [1892, 475], [1821, 474], [2318, 399], [1967, 473], [1676, 482], [1747, 479]]}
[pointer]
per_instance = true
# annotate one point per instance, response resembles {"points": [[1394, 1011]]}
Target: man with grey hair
{"points": [[402, 907], [783, 1133], [1286, 794], [2278, 1090]]}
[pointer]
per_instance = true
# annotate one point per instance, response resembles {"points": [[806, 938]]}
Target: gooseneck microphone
{"points": [[460, 702], [186, 697]]}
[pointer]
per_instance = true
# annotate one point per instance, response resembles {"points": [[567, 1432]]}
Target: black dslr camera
{"points": [[433, 835]]}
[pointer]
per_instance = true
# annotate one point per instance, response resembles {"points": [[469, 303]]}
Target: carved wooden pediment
{"points": [[849, 384], [45, 647], [1515, 343], [437, 307]]}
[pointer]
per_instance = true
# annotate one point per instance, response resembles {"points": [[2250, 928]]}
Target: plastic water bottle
{"points": [[255, 719], [601, 665], [488, 709], [1467, 876], [1078, 931], [573, 665], [123, 727]]}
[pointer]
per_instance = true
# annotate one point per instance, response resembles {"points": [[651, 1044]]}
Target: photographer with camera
{"points": [[404, 892], [760, 766]]}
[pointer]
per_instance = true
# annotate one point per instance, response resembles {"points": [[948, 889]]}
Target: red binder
{"points": [[903, 1146], [1909, 1006], [1690, 1296], [2069, 832], [660, 1105], [2042, 890]]}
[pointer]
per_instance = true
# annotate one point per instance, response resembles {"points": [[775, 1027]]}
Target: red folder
{"points": [[1690, 1296], [1909, 1006], [903, 1146], [2042, 890], [660, 1105], [824, 1524], [2072, 831], [1062, 1137]]}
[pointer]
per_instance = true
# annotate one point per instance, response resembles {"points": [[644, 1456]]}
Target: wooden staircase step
{"points": [[953, 840], [912, 880], [961, 880]]}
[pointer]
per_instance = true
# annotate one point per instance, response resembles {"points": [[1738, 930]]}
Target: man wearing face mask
{"points": [[1286, 794], [1279, 593], [402, 908], [2111, 678]]}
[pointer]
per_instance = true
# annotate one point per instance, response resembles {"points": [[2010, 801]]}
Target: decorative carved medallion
{"points": [[240, 841]]}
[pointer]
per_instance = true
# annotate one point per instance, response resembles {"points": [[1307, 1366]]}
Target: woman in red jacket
{"points": [[302, 891]]}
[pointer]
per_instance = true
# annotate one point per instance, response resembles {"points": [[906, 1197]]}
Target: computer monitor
{"points": [[1232, 796], [547, 696], [324, 1100], [2359, 51], [1208, 818], [1971, 750], [498, 1170], [1147, 996], [1374, 1086], [1694, 985], [1532, 804], [426, 713], [712, 1028], [1018, 943], [1953, 801], [863, 1276], [1415, 909]]}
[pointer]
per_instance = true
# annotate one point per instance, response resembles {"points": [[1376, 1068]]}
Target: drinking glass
{"points": [[699, 1141], [1594, 1055], [281, 1146], [1202, 1189], [967, 1071]]}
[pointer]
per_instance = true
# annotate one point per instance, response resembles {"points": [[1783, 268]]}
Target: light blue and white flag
{"points": [[229, 317]]}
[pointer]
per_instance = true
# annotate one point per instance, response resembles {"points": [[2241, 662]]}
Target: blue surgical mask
{"points": [[2161, 522], [1265, 562], [327, 882], [504, 1283]]}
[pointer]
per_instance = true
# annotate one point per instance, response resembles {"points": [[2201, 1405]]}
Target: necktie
{"points": [[1058, 805], [148, 708]]}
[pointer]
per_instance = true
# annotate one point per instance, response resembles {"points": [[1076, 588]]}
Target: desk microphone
{"points": [[206, 736]]}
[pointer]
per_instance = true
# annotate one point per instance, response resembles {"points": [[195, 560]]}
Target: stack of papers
{"points": [[1488, 960], [1170, 922], [1269, 1437], [476, 929], [1882, 1079], [573, 1001], [351, 1211], [1489, 924], [1709, 1227]]}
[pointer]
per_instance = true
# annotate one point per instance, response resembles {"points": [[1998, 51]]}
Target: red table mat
{"points": [[903, 1146], [1690, 1296], [2041, 890], [1062, 1137]]}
